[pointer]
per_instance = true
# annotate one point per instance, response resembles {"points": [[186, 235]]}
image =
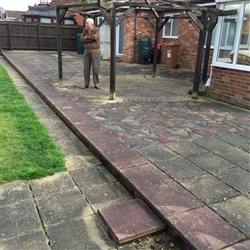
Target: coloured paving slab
{"points": [[154, 121]]}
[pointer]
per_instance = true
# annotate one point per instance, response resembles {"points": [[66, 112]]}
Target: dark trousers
{"points": [[91, 59]]}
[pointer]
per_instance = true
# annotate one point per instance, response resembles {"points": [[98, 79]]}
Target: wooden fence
{"points": [[37, 36]]}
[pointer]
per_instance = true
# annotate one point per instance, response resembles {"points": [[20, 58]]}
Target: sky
{"points": [[21, 5]]}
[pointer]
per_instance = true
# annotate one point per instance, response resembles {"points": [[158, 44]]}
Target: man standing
{"points": [[91, 39]]}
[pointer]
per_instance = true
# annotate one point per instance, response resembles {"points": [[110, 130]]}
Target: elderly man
{"points": [[91, 39]]}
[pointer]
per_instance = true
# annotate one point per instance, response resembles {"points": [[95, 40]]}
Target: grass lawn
{"points": [[26, 149]]}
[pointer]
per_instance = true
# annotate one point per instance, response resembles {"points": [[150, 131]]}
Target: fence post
{"points": [[1, 40], [9, 36], [39, 37]]}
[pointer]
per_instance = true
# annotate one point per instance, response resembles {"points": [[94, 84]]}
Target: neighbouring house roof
{"points": [[13, 15]]}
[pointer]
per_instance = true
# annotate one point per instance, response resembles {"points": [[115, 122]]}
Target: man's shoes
{"points": [[85, 87], [97, 87]]}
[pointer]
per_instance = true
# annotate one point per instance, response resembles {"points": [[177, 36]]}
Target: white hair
{"points": [[90, 20]]}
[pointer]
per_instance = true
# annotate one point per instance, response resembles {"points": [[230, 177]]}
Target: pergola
{"points": [[204, 17]]}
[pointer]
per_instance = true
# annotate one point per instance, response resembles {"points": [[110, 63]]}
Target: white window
{"points": [[68, 21], [170, 29], [28, 19], [232, 39], [45, 20]]}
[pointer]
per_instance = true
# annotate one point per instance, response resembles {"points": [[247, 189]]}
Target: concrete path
{"points": [[187, 159]]}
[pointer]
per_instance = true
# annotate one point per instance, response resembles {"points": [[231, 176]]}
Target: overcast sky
{"points": [[18, 4]]}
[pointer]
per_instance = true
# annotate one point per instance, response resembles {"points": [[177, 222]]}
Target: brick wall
{"points": [[188, 39], [231, 86]]}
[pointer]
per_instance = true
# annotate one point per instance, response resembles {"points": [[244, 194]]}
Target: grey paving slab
{"points": [[204, 229], [130, 220], [58, 183], [15, 191], [157, 153], [88, 177], [85, 233], [245, 147], [237, 156], [237, 178], [234, 139], [180, 168], [19, 218], [104, 195], [210, 162], [211, 143], [170, 199], [35, 240], [208, 188], [237, 215], [62, 207], [186, 148]]}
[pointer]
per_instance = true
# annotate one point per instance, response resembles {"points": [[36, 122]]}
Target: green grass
{"points": [[26, 150]]}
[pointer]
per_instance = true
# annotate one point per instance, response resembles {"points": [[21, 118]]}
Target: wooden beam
{"points": [[195, 19], [105, 15], [197, 73], [152, 9], [124, 15], [163, 23]]}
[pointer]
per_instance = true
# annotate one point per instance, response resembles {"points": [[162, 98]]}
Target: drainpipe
{"points": [[135, 34]]}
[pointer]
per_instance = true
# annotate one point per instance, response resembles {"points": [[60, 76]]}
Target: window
{"points": [[171, 27], [28, 19], [232, 39], [69, 21], [45, 20]]}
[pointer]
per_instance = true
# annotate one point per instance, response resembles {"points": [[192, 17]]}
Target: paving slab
{"points": [[88, 177], [104, 195], [211, 143], [238, 178], [18, 218], [186, 148], [204, 229], [31, 240], [79, 234], [238, 216], [237, 156], [210, 162], [54, 209], [170, 199], [245, 245], [144, 176], [157, 153], [58, 183], [130, 220], [15, 191], [234, 139], [180, 168], [208, 188]]}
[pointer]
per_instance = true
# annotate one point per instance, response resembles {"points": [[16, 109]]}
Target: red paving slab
{"points": [[144, 176], [170, 199], [204, 229], [130, 220]]}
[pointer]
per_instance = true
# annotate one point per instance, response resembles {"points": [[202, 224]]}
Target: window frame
{"points": [[171, 30], [237, 37]]}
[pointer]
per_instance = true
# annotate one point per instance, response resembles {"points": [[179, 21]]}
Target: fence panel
{"points": [[37, 36]]}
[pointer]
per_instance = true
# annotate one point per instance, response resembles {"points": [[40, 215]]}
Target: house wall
{"points": [[188, 39], [231, 86]]}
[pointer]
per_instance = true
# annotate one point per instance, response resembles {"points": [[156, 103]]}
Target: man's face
{"points": [[88, 25]]}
